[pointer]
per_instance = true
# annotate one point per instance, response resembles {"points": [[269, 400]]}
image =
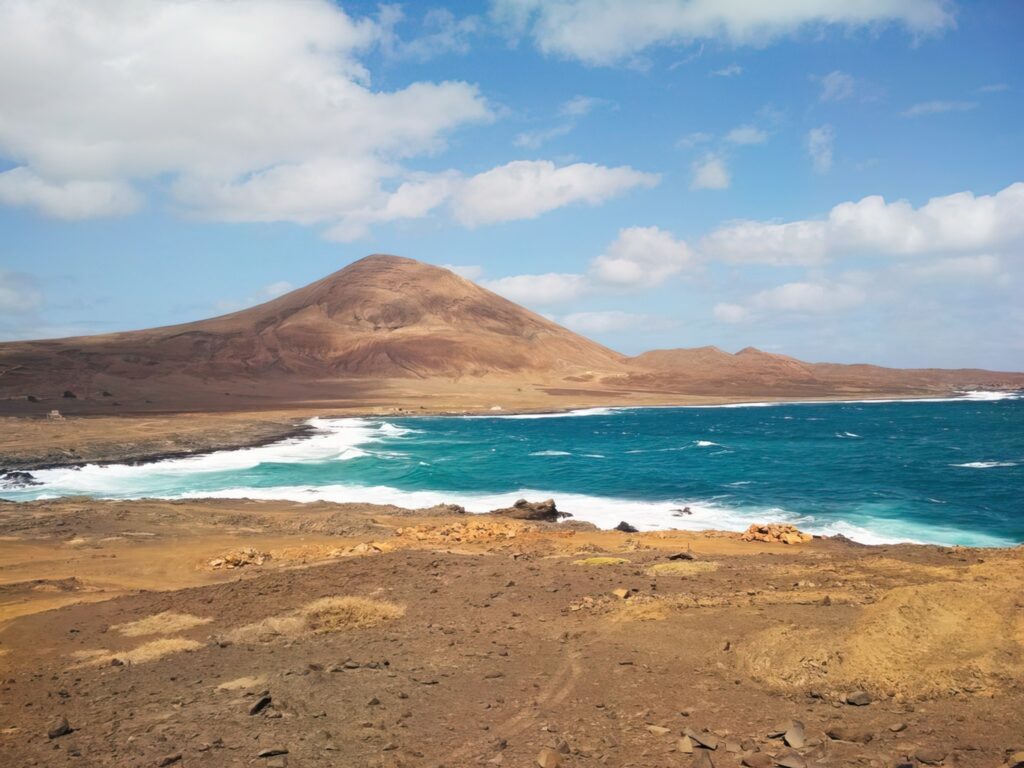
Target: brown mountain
{"points": [[386, 330]]}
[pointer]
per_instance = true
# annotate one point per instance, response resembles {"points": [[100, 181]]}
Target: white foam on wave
{"points": [[706, 444], [606, 512], [551, 453], [985, 464], [332, 440], [556, 415]]}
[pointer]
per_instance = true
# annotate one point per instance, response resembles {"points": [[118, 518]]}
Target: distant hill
{"points": [[389, 324]]}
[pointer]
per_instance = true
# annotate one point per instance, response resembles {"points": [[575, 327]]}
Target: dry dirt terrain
{"points": [[237, 633]]}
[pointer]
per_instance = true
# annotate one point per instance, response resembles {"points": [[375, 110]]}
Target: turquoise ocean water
{"points": [[949, 472]]}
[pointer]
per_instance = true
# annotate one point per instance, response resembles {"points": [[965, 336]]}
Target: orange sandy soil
{"points": [[388, 637]]}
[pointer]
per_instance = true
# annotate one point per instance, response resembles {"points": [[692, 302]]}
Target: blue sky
{"points": [[830, 180]]}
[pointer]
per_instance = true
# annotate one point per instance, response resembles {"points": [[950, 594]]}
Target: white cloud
{"points": [[604, 322], [746, 134], [957, 223], [731, 70], [710, 173], [730, 313], [19, 293], [67, 199], [533, 139], [266, 293], [693, 139], [837, 86], [994, 88], [819, 146], [539, 290], [984, 266], [581, 106], [642, 256], [524, 189], [809, 298], [255, 111], [613, 31], [441, 33], [938, 107]]}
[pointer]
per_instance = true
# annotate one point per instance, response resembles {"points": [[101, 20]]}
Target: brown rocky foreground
{"points": [[239, 633]]}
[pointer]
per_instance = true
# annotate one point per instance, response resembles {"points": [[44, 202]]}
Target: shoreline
{"points": [[483, 501]]}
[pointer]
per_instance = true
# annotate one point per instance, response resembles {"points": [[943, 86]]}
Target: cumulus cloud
{"points": [[581, 106], [19, 293], [819, 146], [938, 107], [68, 200], [266, 293], [440, 33], [710, 172], [611, 321], [638, 257], [730, 313], [539, 290], [534, 139], [525, 189], [957, 223], [642, 256], [836, 86], [693, 139], [746, 134], [809, 298], [255, 111], [468, 271], [613, 31]]}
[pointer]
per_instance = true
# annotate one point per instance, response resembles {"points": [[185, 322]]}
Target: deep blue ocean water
{"points": [[949, 472]]}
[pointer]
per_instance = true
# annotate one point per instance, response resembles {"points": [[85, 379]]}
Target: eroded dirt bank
{"points": [[387, 637]]}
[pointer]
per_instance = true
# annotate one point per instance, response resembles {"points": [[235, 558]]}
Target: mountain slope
{"points": [[386, 330]]}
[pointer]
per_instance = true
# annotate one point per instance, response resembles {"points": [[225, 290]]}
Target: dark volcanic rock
{"points": [[532, 510], [626, 527], [58, 728]]}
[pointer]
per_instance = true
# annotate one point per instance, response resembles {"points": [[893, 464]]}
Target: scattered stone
{"points": [[702, 759], [548, 758], [621, 593], [260, 704], [240, 559], [733, 747], [68, 394], [373, 702], [757, 760], [685, 745], [930, 756], [169, 760], [775, 533], [898, 727], [1015, 760], [533, 510], [794, 735], [626, 528], [843, 733], [682, 556], [705, 739], [272, 752], [859, 699], [58, 728], [659, 730], [790, 760]]}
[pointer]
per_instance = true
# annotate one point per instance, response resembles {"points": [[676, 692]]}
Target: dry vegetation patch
{"points": [[328, 614], [601, 561], [151, 651], [682, 568], [165, 623]]}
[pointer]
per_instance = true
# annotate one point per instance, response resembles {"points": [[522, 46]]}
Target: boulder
{"points": [[775, 533], [930, 756], [858, 698], [548, 758], [532, 510], [626, 527], [58, 728]]}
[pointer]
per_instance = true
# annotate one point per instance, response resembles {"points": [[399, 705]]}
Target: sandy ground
{"points": [[375, 636]]}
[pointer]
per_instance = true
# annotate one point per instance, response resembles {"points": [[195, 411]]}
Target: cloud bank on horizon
{"points": [[653, 172]]}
